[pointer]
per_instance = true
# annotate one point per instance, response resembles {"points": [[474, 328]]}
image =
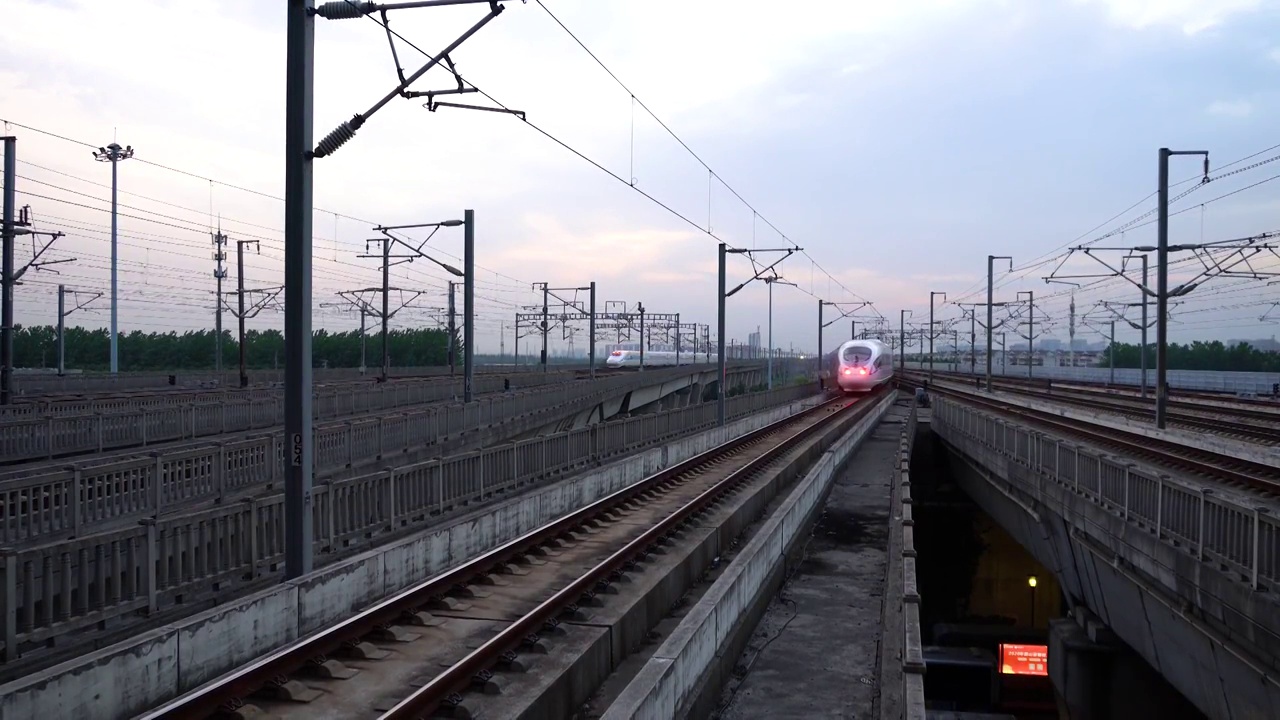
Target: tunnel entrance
{"points": [[985, 605]]}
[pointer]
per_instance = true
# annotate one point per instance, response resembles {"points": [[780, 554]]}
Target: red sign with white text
{"points": [[1024, 659]]}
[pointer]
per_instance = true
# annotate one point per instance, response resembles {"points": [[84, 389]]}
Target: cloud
{"points": [[1274, 55], [1190, 16], [1230, 108]]}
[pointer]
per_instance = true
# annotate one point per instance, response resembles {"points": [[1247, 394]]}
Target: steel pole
{"points": [[1143, 354], [770, 353], [973, 339], [931, 336], [469, 304], [299, 87], [453, 329], [362, 337], [8, 237], [1031, 330], [991, 260], [642, 338], [720, 390], [115, 347], [591, 331], [1112, 353], [62, 332], [820, 382], [244, 373], [1162, 287], [902, 340], [678, 339], [386, 309], [545, 329]]}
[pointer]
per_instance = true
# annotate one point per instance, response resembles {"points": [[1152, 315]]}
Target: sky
{"points": [[898, 144]]}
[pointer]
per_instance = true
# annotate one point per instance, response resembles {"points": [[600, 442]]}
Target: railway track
{"points": [[520, 591], [1193, 461], [1238, 422]]}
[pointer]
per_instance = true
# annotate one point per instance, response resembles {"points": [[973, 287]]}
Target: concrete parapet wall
{"points": [[132, 676], [1185, 574], [901, 637], [694, 653]]}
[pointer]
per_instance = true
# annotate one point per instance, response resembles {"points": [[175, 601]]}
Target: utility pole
{"points": [[1143, 355], [1031, 326], [62, 315], [413, 253], [991, 259], [453, 330], [10, 228], [771, 281], [8, 235], [932, 295], [1162, 278], [220, 274], [546, 328], [1112, 354], [973, 339], [591, 331], [114, 154], [468, 303], [720, 298], [299, 168], [902, 339], [244, 374], [640, 309]]}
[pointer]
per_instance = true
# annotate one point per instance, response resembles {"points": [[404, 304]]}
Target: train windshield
{"points": [[857, 355]]}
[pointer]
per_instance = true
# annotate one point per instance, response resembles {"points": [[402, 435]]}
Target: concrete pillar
{"points": [[1096, 676]]}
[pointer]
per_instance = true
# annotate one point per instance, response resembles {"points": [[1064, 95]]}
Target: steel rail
{"points": [[1194, 415], [249, 678], [428, 698], [1163, 452]]}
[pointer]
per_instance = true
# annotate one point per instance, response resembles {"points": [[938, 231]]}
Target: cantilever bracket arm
{"points": [[343, 10], [788, 253]]}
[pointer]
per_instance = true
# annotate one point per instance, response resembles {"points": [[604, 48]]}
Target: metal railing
{"points": [[1207, 523], [73, 499], [161, 563], [28, 383], [51, 436], [329, 400]]}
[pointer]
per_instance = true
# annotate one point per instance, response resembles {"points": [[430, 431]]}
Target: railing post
{"points": [[351, 444], [391, 496], [144, 427], [100, 420], [254, 527], [1200, 540], [48, 437], [77, 499], [1159, 504], [157, 484], [150, 557], [381, 442], [220, 472], [1127, 472], [10, 605], [1257, 522]]}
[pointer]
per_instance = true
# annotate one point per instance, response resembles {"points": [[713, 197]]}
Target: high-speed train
{"points": [[652, 358], [858, 366]]}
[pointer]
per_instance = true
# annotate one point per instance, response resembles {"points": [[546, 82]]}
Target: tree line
{"points": [[90, 349], [1215, 355]]}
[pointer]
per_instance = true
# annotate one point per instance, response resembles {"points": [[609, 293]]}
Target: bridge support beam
{"points": [[1095, 676]]}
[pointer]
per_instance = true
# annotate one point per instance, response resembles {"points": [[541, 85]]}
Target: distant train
{"points": [[858, 366], [652, 358]]}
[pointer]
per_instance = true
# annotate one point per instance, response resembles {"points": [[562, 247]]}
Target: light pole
{"points": [[114, 154], [932, 295], [991, 259], [1162, 278]]}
